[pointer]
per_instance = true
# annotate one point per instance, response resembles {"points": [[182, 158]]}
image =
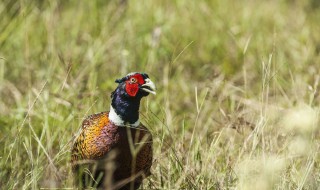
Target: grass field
{"points": [[237, 104]]}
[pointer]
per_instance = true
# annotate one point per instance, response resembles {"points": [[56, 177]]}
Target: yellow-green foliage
{"points": [[237, 105]]}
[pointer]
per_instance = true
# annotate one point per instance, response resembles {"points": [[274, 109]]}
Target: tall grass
{"points": [[237, 105]]}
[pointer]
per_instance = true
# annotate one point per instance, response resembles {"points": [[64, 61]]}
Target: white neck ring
{"points": [[117, 120]]}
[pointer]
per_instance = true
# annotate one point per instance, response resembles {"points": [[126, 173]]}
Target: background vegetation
{"points": [[238, 88]]}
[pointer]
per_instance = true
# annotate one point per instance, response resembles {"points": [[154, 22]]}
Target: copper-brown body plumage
{"points": [[127, 150]]}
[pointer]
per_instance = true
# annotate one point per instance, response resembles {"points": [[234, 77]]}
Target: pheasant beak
{"points": [[148, 86]]}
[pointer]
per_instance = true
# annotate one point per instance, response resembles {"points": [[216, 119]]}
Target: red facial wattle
{"points": [[139, 78], [132, 88]]}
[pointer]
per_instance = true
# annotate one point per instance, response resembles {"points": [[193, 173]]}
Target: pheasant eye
{"points": [[133, 80]]}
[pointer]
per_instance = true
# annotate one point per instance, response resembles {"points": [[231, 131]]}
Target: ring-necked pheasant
{"points": [[113, 150]]}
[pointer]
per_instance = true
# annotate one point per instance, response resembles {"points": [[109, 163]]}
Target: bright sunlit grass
{"points": [[237, 105]]}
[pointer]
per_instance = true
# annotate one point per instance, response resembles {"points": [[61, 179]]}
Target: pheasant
{"points": [[113, 150]]}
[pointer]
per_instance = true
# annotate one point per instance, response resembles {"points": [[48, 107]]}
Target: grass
{"points": [[238, 97]]}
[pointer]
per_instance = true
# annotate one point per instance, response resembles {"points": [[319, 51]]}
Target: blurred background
{"points": [[237, 105]]}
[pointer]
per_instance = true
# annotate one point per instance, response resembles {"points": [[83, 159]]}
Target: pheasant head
{"points": [[125, 100]]}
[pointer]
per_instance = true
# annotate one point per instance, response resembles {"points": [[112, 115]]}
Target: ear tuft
{"points": [[122, 79]]}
